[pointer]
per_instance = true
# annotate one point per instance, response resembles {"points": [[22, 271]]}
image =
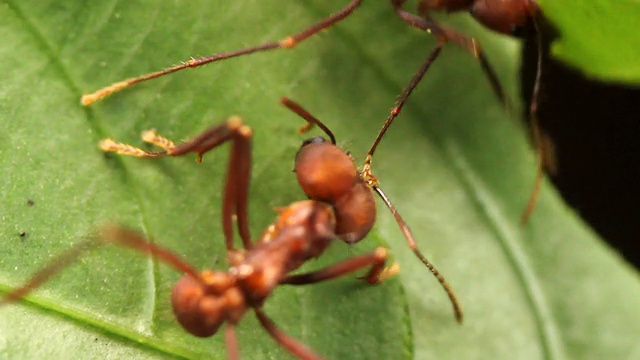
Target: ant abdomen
{"points": [[326, 173], [202, 305]]}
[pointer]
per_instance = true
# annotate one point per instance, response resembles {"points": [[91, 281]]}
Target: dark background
{"points": [[595, 129]]}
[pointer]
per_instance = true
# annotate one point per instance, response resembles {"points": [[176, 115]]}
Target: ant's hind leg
{"points": [[292, 345], [108, 235], [231, 340]]}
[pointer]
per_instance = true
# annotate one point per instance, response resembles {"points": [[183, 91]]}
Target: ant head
{"points": [[202, 305], [504, 16], [325, 172]]}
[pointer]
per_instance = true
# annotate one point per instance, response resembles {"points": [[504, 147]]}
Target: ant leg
{"points": [[545, 149], [540, 166], [108, 235], [231, 340], [148, 136], [376, 274], [294, 346], [152, 137], [239, 170], [444, 35], [59, 263], [287, 43]]}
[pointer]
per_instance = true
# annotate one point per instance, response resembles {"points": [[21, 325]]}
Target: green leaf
{"points": [[455, 164], [600, 37]]}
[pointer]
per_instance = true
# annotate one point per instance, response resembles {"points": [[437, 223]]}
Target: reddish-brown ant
{"points": [[341, 205], [504, 16]]}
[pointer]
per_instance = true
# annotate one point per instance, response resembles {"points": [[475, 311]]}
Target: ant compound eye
{"points": [[324, 171], [315, 140]]}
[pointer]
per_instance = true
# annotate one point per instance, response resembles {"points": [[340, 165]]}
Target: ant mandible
{"points": [[504, 16], [341, 205]]}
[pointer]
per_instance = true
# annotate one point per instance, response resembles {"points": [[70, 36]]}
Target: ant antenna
{"points": [[397, 108], [372, 181], [311, 120], [408, 235]]}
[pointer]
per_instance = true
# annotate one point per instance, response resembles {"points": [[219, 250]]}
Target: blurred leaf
{"points": [[600, 37], [456, 166]]}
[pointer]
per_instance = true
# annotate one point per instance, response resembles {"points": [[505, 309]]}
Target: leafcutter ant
{"points": [[341, 205]]}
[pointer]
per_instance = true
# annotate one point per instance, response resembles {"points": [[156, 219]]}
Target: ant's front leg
{"points": [[236, 191], [287, 43]]}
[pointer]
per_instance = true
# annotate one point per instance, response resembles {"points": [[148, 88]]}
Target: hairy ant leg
{"points": [[545, 149], [287, 43], [443, 35], [108, 235], [294, 346], [239, 170], [424, 23]]}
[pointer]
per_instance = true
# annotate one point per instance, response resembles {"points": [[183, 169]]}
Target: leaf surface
{"points": [[600, 37], [455, 164]]}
